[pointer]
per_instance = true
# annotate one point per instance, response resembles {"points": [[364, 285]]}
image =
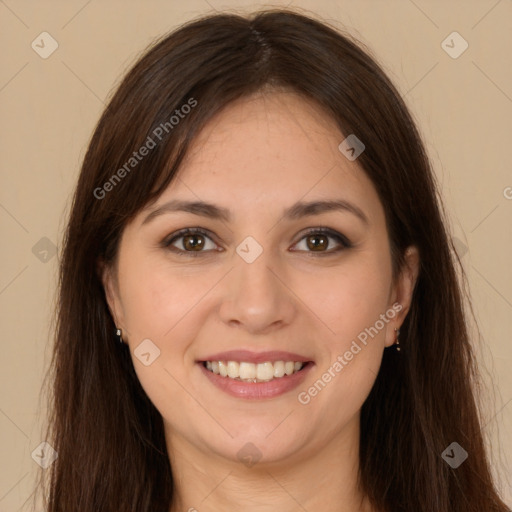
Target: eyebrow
{"points": [[296, 211]]}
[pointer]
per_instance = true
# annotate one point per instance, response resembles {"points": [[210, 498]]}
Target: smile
{"points": [[251, 372], [241, 379]]}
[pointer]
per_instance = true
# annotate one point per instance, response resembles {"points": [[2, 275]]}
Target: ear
{"points": [[110, 285], [402, 291]]}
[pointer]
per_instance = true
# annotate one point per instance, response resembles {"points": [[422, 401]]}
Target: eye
{"points": [[194, 241], [317, 240], [190, 241]]}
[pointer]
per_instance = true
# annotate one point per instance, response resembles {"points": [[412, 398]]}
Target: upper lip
{"points": [[256, 357]]}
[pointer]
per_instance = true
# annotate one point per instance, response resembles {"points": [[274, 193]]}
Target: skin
{"points": [[258, 156]]}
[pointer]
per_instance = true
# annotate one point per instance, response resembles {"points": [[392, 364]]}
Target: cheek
{"points": [[358, 297], [354, 298], [350, 298], [162, 304], [156, 296]]}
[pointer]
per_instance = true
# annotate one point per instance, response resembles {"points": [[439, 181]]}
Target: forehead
{"points": [[258, 131], [270, 148]]}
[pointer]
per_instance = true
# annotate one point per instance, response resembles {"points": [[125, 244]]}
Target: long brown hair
{"points": [[108, 435]]}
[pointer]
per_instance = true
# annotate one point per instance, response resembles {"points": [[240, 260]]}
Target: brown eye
{"points": [[193, 242], [190, 242], [318, 240]]}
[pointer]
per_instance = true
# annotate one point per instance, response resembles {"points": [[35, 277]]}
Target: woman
{"points": [[259, 306]]}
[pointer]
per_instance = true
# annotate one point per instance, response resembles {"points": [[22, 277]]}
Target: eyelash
{"points": [[341, 239]]}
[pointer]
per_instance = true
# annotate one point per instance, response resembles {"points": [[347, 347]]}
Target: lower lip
{"points": [[257, 390]]}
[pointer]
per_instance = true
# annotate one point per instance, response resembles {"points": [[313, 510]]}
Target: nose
{"points": [[256, 297]]}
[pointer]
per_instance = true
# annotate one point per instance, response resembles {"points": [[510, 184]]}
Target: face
{"points": [[265, 274]]}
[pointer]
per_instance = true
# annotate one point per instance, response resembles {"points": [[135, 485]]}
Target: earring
{"points": [[397, 342], [119, 335]]}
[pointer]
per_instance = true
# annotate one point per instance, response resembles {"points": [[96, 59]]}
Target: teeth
{"points": [[265, 371], [250, 372], [233, 369], [279, 369], [223, 369], [247, 371]]}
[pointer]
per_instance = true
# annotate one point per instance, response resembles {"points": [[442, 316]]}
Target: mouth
{"points": [[255, 376], [246, 371]]}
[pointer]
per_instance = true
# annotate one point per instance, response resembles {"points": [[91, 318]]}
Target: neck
{"points": [[323, 479]]}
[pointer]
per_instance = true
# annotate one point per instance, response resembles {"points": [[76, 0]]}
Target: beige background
{"points": [[49, 108]]}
